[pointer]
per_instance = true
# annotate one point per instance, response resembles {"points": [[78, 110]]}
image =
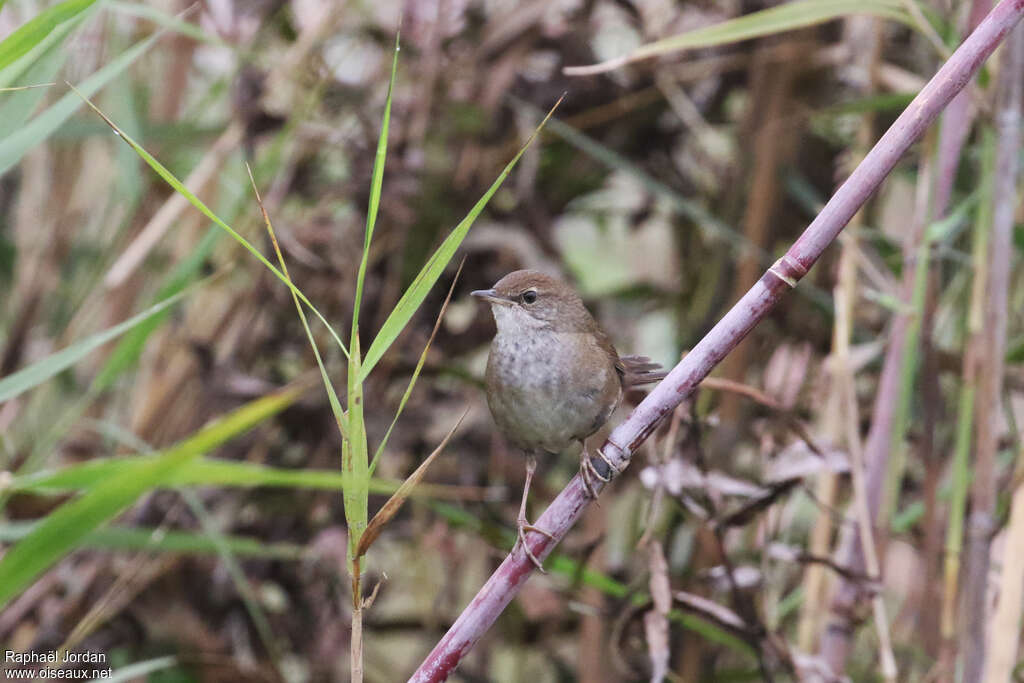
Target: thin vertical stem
{"points": [[982, 521], [960, 468]]}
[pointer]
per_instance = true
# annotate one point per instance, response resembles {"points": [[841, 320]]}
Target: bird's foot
{"points": [[588, 472], [525, 526], [611, 465]]}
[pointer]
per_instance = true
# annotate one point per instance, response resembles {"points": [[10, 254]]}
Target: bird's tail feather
{"points": [[641, 370]]}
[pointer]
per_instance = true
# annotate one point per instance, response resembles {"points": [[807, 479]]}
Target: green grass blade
{"points": [[355, 458], [23, 72], [390, 508], [416, 371], [179, 187], [128, 350], [376, 183], [35, 30], [14, 146], [960, 466], [17, 106], [941, 230], [201, 472], [167, 21], [66, 528], [42, 370], [332, 396], [163, 541], [209, 472], [435, 265], [787, 17]]}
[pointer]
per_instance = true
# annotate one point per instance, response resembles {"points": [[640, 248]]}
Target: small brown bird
{"points": [[553, 376]]}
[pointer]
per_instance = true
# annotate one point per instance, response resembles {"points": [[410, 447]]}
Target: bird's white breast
{"points": [[544, 396]]}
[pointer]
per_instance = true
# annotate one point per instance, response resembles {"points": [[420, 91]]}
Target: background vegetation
{"points": [[178, 488]]}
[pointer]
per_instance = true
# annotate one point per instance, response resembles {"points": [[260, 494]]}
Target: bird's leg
{"points": [[587, 471], [521, 522]]}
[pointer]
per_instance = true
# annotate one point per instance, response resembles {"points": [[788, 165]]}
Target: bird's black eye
{"points": [[529, 296]]}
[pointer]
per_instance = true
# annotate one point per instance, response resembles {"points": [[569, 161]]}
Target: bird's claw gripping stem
{"points": [[525, 526], [588, 471]]}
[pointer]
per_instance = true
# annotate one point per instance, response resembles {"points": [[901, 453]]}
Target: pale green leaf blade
{"points": [[16, 107], [435, 265], [35, 30], [163, 541], [416, 371], [355, 456], [14, 146], [332, 395], [376, 184], [128, 350], [65, 529], [42, 370], [214, 472], [787, 17], [167, 21], [398, 498], [179, 187]]}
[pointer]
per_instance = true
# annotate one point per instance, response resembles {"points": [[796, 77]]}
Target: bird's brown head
{"points": [[526, 299]]}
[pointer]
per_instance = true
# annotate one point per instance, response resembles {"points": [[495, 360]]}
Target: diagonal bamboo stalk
{"points": [[566, 509]]}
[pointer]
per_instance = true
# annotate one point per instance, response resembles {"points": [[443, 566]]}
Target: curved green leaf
{"points": [[68, 526], [788, 17], [35, 30], [163, 541], [42, 370], [210, 472], [180, 188], [435, 265], [14, 146]]}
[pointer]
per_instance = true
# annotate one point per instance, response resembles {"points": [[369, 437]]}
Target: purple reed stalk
{"points": [[567, 508]]}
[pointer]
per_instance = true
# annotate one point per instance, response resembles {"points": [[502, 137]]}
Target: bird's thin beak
{"points": [[490, 296]]}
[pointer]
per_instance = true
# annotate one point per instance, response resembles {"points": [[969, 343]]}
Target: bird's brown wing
{"points": [[633, 370], [637, 370]]}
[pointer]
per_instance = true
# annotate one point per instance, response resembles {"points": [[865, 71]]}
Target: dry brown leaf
{"points": [[719, 614], [398, 498]]}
